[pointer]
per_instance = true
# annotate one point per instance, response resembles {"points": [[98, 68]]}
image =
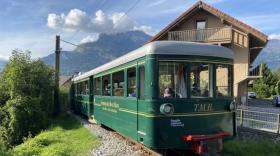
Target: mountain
{"points": [[270, 55], [92, 54]]}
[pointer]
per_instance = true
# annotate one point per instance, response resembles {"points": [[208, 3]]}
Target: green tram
{"points": [[165, 94]]}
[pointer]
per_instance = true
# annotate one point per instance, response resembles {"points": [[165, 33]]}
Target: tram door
{"points": [[141, 96]]}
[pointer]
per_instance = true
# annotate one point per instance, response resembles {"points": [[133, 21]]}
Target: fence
{"points": [[264, 121]]}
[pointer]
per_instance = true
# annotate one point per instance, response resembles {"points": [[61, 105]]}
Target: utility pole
{"points": [[56, 76]]}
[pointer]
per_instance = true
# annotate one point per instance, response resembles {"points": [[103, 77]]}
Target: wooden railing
{"points": [[223, 34]]}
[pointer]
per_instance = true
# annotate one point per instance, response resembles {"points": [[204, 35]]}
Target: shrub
{"points": [[64, 99], [26, 97], [24, 117], [262, 90], [3, 149]]}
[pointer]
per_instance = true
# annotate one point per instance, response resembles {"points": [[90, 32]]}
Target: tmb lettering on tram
{"points": [[165, 95]]}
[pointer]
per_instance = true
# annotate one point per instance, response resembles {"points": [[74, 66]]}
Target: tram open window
{"points": [[97, 86], [118, 83], [106, 89], [172, 80], [200, 80], [223, 81], [131, 82]]}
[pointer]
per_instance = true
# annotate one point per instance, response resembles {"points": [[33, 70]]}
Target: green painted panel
{"points": [[118, 113]]}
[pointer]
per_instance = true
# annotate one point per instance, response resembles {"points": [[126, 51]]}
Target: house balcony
{"points": [[245, 75], [255, 72], [218, 35]]}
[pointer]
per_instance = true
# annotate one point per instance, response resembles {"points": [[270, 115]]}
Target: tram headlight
{"points": [[167, 109]]}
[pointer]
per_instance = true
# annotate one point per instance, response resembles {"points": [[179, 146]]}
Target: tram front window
{"points": [[199, 76], [172, 80], [223, 81]]}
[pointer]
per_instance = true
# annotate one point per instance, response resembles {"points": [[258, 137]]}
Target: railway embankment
{"points": [[65, 136]]}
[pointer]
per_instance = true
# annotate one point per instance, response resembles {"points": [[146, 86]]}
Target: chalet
{"points": [[206, 24]]}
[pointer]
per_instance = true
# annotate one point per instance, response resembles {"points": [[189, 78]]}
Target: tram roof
{"points": [[164, 48]]}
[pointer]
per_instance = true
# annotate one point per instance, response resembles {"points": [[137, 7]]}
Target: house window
{"points": [[200, 24]]}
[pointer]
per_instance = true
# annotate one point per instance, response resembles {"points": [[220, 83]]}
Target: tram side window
{"points": [[85, 88], [222, 81], [172, 80], [118, 83], [97, 86], [106, 89], [200, 80], [131, 82], [142, 82], [78, 88]]}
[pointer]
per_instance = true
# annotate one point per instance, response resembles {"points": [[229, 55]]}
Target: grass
{"points": [[251, 148], [65, 137]]}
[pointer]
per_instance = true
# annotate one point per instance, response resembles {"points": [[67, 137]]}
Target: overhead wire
{"points": [[128, 10]]}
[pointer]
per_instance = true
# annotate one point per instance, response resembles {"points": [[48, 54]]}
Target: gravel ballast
{"points": [[110, 144]]}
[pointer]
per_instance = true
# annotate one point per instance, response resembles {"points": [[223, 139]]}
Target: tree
{"points": [[262, 90], [26, 87], [277, 73], [278, 88], [265, 87]]}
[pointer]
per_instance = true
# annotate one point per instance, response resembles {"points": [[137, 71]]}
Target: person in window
{"points": [[133, 94], [106, 88], [168, 93], [195, 90], [182, 91]]}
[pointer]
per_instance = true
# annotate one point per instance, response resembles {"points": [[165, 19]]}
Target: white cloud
{"points": [[274, 36], [89, 38], [78, 20]]}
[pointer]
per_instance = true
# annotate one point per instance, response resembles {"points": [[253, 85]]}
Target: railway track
{"points": [[147, 151], [138, 146]]}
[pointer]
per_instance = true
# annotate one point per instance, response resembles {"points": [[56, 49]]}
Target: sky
{"points": [[33, 24]]}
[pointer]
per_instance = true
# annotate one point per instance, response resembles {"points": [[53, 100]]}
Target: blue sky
{"points": [[33, 24]]}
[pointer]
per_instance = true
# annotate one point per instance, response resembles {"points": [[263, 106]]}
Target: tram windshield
{"points": [[200, 79], [172, 80]]}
